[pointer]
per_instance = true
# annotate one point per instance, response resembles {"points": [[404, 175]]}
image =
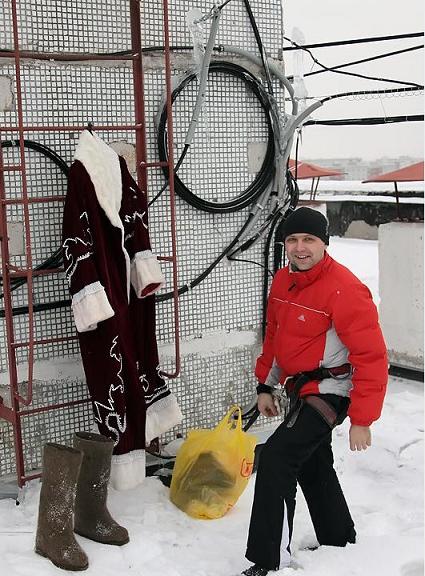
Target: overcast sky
{"points": [[330, 20]]}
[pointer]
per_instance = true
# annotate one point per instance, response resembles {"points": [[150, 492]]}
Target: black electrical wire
{"points": [[265, 287], [38, 307], [260, 46], [6, 52], [277, 223], [364, 60], [279, 246], [297, 144], [354, 74], [262, 266], [355, 41], [370, 92], [366, 121], [224, 4], [226, 252], [365, 93], [266, 172], [205, 273]]}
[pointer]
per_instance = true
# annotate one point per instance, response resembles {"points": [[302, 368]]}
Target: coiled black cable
{"points": [[55, 259], [266, 172], [43, 149]]}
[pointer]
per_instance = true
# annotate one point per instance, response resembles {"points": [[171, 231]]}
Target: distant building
{"points": [[360, 169]]}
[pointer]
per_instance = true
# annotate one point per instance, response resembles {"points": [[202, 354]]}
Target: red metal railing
{"points": [[16, 412]]}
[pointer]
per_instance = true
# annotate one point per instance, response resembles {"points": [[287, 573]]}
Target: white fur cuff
{"points": [[90, 306], [128, 470], [146, 275], [161, 416]]}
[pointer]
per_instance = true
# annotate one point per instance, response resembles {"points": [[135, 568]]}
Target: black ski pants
{"points": [[303, 454]]}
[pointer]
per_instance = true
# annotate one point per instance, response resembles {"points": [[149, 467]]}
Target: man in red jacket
{"points": [[324, 344]]}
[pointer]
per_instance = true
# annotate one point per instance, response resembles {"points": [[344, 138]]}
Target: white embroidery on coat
{"points": [[142, 378], [132, 218], [121, 423], [160, 390], [70, 243], [145, 382]]}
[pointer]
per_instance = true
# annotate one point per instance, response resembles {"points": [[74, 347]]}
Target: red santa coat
{"points": [[326, 317], [112, 277]]}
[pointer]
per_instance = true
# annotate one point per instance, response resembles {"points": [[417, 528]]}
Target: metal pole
{"points": [[172, 190]]}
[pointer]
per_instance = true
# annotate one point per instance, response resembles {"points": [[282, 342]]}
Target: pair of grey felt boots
{"points": [[73, 499]]}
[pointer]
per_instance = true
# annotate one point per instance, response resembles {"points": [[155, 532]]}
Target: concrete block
{"points": [[401, 289], [16, 235], [7, 97], [256, 154]]}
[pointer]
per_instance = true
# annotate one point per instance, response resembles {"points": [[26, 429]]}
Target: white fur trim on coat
{"points": [[128, 470], [161, 416], [90, 306], [145, 270], [103, 166]]}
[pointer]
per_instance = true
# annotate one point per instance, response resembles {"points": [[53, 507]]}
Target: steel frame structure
{"points": [[20, 405]]}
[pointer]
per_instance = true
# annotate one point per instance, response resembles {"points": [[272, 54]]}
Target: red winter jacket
{"points": [[326, 317]]}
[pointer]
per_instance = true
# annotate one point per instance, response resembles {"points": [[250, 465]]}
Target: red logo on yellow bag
{"points": [[246, 468]]}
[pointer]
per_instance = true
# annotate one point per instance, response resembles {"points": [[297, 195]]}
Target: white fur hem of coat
{"points": [[161, 416], [128, 470]]}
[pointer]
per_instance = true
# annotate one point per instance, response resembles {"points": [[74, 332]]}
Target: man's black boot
{"points": [[255, 571]]}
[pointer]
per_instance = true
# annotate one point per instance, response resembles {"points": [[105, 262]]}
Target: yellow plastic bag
{"points": [[212, 468]]}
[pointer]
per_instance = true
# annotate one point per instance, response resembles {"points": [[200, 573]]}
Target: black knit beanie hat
{"points": [[307, 221]]}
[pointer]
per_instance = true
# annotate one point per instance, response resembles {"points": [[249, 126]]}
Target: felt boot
{"points": [[92, 518], [55, 537]]}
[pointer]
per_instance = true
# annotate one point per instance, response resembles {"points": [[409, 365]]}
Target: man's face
{"points": [[304, 250]]}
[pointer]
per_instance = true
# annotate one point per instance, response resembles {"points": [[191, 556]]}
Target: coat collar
{"points": [[303, 279], [103, 166]]}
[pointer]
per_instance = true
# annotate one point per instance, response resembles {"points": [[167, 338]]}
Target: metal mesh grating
{"points": [[199, 395], [77, 26], [55, 425], [229, 299]]}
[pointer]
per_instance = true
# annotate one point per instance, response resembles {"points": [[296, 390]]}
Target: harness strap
{"points": [[343, 371], [319, 405], [294, 385], [326, 411], [296, 382]]}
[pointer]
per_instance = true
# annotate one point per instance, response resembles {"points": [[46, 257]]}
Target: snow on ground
{"points": [[384, 488]]}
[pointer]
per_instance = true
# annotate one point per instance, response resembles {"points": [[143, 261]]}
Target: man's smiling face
{"points": [[304, 250]]}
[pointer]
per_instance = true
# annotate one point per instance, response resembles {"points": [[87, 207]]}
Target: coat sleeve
{"points": [[266, 369], [356, 322], [90, 304], [145, 272]]}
